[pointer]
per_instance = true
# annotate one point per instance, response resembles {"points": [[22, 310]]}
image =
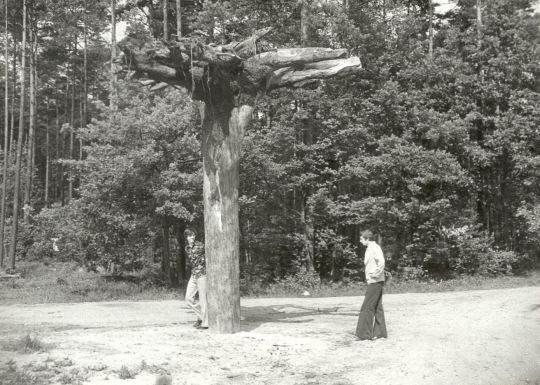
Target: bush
{"points": [[473, 253], [60, 226], [297, 283]]}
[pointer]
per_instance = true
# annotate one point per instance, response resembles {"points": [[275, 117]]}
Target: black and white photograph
{"points": [[270, 192]]}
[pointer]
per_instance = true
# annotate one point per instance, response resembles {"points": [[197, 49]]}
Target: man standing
{"points": [[371, 323], [197, 281]]}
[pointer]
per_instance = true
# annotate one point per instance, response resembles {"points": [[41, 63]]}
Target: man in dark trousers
{"points": [[197, 281], [371, 324]]}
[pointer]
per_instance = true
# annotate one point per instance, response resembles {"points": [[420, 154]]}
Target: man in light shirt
{"points": [[371, 324]]}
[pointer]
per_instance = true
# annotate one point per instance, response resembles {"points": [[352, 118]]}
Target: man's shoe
{"points": [[197, 323], [201, 327], [361, 338]]}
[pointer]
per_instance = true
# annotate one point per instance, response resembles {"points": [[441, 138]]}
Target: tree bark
{"points": [[113, 98], [479, 22], [63, 147], [72, 124], [14, 80], [178, 19], [6, 138], [306, 209], [85, 81], [221, 145], [56, 179], [31, 129], [47, 158], [166, 256], [431, 29], [181, 254], [81, 126], [17, 186], [165, 20]]}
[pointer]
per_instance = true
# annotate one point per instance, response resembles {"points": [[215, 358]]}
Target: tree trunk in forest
{"points": [[112, 97], [56, 178], [431, 29], [181, 254], [72, 124], [58, 171], [63, 147], [479, 22], [85, 81], [31, 129], [178, 19], [223, 132], [306, 218], [306, 209], [166, 20], [47, 157], [166, 255], [17, 186], [14, 80], [6, 138], [81, 126], [305, 23]]}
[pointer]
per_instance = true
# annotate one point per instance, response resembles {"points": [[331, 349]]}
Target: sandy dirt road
{"points": [[489, 337]]}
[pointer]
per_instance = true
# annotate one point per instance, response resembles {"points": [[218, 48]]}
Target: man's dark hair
{"points": [[189, 233], [367, 235]]}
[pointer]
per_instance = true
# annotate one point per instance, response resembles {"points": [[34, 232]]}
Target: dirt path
{"points": [[462, 338]]}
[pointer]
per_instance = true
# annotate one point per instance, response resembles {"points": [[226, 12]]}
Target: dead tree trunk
{"points": [[228, 79], [223, 132]]}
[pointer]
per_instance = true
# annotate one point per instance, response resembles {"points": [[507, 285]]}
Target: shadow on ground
{"points": [[255, 316]]}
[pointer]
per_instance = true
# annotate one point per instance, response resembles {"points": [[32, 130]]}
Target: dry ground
{"points": [[462, 338]]}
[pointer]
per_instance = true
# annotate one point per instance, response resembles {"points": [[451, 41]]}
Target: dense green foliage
{"points": [[438, 153]]}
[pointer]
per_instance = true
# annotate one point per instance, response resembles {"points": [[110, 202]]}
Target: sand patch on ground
{"points": [[487, 337]]}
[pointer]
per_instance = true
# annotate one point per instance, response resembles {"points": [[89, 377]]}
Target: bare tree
{"points": [[228, 79]]}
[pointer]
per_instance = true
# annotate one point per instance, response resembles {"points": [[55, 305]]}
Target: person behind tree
{"points": [[371, 323], [197, 280]]}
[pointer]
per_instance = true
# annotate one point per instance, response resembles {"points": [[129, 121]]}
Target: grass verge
{"points": [[397, 285], [67, 283]]}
